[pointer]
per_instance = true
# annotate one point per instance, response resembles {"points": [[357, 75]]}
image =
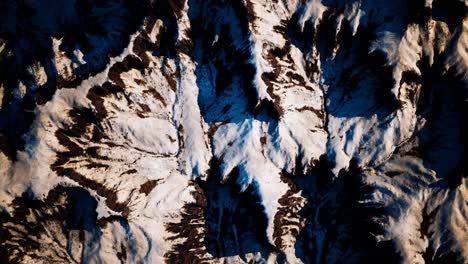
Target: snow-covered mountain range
{"points": [[233, 131]]}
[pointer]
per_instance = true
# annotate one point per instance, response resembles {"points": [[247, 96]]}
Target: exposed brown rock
{"points": [[148, 186]]}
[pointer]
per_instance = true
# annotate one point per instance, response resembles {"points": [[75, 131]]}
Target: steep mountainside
{"points": [[233, 131]]}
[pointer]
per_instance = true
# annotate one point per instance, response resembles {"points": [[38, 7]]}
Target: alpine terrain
{"points": [[234, 131]]}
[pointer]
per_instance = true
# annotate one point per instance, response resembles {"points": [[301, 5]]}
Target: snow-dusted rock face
{"points": [[233, 131]]}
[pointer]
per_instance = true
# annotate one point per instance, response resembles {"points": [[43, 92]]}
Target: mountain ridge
{"points": [[240, 131]]}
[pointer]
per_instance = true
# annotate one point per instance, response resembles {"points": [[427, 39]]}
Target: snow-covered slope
{"points": [[216, 131]]}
